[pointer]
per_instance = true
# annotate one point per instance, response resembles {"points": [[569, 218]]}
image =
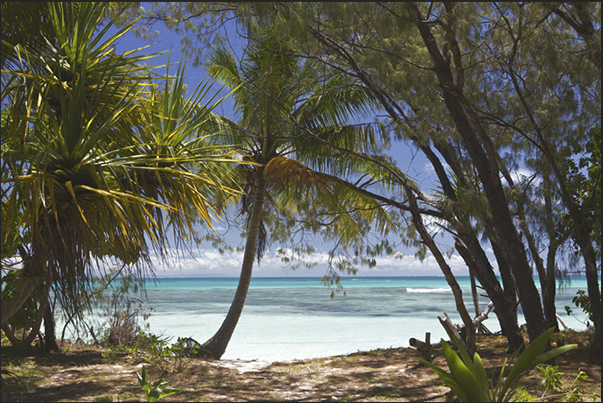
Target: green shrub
{"points": [[153, 391], [468, 379]]}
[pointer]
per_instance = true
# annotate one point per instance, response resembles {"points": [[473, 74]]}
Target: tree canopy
{"points": [[502, 99]]}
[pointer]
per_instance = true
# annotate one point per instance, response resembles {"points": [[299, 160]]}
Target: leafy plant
{"points": [[157, 352], [552, 377], [554, 388], [153, 391], [469, 381], [581, 300], [552, 382], [12, 386], [523, 395]]}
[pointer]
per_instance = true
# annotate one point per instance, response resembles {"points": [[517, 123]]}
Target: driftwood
{"points": [[453, 331], [477, 322], [562, 322], [424, 347], [484, 315]]}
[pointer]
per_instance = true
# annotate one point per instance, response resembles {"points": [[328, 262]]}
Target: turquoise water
{"points": [[294, 317], [197, 283]]}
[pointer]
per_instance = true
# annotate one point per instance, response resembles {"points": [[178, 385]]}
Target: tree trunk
{"points": [[50, 339], [450, 279], [484, 158], [547, 283], [594, 356], [474, 294], [216, 345], [504, 300], [22, 346], [549, 293]]}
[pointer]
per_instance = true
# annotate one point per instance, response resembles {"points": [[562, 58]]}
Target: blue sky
{"points": [[206, 261]]}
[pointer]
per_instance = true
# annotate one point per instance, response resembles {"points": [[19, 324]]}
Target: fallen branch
{"points": [[483, 316], [421, 346], [451, 329], [561, 321], [424, 347]]}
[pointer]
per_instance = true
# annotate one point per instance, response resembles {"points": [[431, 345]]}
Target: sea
{"points": [[288, 318]]}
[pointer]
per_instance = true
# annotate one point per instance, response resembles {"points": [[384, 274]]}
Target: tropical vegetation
{"points": [[469, 381], [107, 164], [98, 164], [503, 100], [286, 109]]}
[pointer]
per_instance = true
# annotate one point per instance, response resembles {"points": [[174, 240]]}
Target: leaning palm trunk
{"points": [[216, 345]]}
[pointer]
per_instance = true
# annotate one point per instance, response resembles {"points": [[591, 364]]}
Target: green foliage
{"points": [[85, 160], [153, 390], [157, 351], [468, 378], [552, 377], [553, 387], [584, 176], [524, 395], [26, 316], [581, 300], [11, 386]]}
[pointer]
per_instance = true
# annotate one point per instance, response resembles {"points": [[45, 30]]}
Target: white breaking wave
{"points": [[427, 290]]}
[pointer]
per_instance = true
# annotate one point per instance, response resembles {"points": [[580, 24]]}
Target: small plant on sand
{"points": [[553, 387], [12, 386], [468, 379], [153, 391], [157, 352]]}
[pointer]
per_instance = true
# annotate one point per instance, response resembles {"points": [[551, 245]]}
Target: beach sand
{"points": [[394, 374]]}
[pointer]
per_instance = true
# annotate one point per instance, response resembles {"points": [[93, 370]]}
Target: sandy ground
{"points": [[82, 374]]}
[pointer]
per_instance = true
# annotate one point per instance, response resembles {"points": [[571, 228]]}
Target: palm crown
{"points": [[95, 158], [287, 112]]}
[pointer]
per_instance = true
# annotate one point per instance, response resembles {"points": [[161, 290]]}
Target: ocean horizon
{"points": [[287, 318]]}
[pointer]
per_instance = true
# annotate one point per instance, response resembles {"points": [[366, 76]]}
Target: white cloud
{"points": [[210, 263], [521, 175]]}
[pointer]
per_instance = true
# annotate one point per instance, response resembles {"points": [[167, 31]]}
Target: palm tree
{"points": [[97, 164], [284, 108]]}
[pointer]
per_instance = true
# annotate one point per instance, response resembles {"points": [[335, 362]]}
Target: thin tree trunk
{"points": [[549, 293], [548, 290], [50, 339], [475, 297], [216, 345], [594, 356], [456, 289], [504, 300], [484, 158]]}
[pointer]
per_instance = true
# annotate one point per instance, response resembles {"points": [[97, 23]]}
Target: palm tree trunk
{"points": [[216, 345]]}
